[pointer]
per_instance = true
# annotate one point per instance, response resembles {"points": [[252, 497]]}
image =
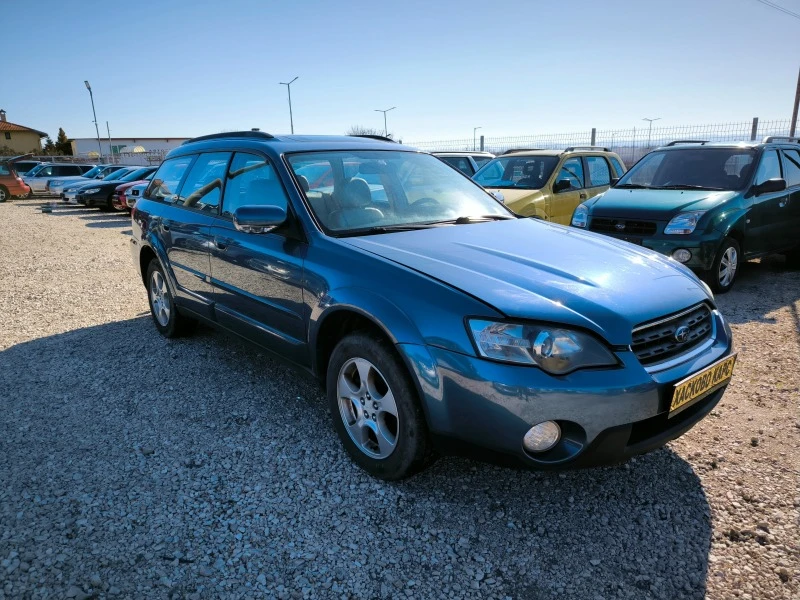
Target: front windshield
{"points": [[93, 172], [692, 168], [510, 172], [362, 190], [118, 174], [35, 170], [136, 174]]}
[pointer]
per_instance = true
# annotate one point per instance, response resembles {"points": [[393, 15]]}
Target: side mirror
{"points": [[561, 185], [498, 196], [770, 185], [614, 181], [258, 219]]}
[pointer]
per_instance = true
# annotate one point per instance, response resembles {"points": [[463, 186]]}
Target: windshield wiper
{"points": [[633, 186], [687, 186], [389, 228], [467, 219]]}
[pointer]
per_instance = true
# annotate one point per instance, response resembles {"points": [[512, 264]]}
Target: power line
{"points": [[780, 8]]}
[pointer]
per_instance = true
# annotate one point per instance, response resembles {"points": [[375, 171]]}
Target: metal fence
{"points": [[149, 157], [630, 144]]}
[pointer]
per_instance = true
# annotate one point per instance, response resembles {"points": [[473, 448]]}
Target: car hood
{"points": [[531, 269], [656, 205]]}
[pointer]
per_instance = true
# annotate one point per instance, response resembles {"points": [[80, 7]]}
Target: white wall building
{"points": [[124, 148]]}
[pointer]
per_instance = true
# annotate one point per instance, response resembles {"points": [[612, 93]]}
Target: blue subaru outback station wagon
{"points": [[435, 319]]}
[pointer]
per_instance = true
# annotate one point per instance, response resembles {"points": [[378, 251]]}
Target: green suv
{"points": [[707, 205]]}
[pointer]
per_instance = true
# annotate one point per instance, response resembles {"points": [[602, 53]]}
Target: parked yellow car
{"points": [[550, 184]]}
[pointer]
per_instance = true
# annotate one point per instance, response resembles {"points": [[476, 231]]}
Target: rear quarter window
{"points": [[166, 182]]}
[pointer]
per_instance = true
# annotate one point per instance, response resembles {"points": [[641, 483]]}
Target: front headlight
{"points": [[56, 182], [555, 350], [684, 223], [580, 216], [90, 191]]}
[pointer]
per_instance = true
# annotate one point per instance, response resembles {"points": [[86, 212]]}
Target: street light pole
{"points": [[385, 128], [96, 128], [474, 129], [110, 151], [650, 129], [289, 90]]}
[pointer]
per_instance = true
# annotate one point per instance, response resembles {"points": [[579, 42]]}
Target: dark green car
{"points": [[707, 205]]}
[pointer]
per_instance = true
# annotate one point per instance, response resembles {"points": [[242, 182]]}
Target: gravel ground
{"points": [[136, 467]]}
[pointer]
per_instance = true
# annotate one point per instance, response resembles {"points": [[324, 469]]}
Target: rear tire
{"points": [[721, 276], [793, 258], [375, 408], [169, 322], [3, 193]]}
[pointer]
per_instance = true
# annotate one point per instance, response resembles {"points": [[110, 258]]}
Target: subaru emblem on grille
{"points": [[681, 334], [619, 225]]}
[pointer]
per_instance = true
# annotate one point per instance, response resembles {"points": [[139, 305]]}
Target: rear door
{"points": [[258, 277], [598, 175], [562, 204], [791, 219], [183, 226], [767, 211]]}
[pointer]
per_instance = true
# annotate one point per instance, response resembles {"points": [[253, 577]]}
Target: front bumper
{"points": [[606, 415], [90, 200]]}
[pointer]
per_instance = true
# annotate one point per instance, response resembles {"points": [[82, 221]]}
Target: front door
{"points": [[791, 207], [563, 203], [767, 211], [257, 277]]}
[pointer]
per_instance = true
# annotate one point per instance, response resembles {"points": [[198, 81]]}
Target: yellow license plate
{"points": [[698, 385]]}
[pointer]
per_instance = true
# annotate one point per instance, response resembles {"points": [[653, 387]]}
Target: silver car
{"points": [[39, 177], [57, 186]]}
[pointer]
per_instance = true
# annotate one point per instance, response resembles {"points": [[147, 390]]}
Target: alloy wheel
{"points": [[368, 409], [3, 195], [159, 298], [727, 266]]}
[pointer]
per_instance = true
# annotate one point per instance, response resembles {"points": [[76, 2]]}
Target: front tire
{"points": [[169, 322], [375, 408], [726, 265], [3, 193]]}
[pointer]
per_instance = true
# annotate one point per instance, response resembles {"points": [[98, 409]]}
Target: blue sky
{"points": [[179, 68]]}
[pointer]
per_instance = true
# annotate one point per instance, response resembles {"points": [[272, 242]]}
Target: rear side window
{"points": [[45, 172], [598, 170], [792, 164], [460, 163], [4, 170], [618, 167], [572, 169], [252, 181], [769, 168], [166, 181], [202, 189]]}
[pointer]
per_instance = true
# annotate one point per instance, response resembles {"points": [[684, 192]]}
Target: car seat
{"points": [[355, 210]]}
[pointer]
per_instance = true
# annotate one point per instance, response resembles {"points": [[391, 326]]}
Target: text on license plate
{"points": [[698, 384]]}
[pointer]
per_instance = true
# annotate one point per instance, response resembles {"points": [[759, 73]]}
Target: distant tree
{"points": [[62, 143], [49, 148], [361, 130], [8, 151]]}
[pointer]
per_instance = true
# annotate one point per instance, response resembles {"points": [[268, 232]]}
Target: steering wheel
{"points": [[427, 201]]}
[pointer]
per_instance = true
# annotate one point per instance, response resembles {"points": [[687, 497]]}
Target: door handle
{"points": [[582, 196]]}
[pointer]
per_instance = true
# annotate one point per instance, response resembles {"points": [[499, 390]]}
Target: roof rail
{"points": [[676, 142], [573, 148], [779, 138], [512, 150], [381, 138], [261, 135]]}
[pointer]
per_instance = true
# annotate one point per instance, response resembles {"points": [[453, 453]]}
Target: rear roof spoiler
{"points": [[779, 138]]}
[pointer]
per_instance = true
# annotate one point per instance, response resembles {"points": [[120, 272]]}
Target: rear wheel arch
{"points": [[145, 257]]}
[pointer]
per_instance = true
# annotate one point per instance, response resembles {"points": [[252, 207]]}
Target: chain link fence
{"points": [[630, 144]]}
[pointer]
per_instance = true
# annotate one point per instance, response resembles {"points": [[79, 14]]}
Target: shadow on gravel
{"points": [[762, 286], [109, 224], [175, 467]]}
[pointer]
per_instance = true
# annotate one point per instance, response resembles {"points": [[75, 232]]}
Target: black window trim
{"points": [[783, 158]]}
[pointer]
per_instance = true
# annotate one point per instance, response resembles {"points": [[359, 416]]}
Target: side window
{"points": [[572, 169], [46, 172], [618, 167], [203, 185], [252, 180], [792, 164], [598, 170], [4, 170], [167, 179], [769, 168]]}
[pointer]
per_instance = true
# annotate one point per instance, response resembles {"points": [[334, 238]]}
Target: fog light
{"points": [[682, 255], [542, 437]]}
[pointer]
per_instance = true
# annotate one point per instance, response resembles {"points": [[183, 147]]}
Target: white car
{"points": [[57, 186], [134, 193], [39, 177]]}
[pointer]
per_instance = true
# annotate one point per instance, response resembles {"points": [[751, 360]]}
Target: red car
{"points": [[120, 200], [11, 184]]}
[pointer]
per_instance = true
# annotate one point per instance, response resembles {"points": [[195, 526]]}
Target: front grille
{"points": [[622, 226], [656, 342]]}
